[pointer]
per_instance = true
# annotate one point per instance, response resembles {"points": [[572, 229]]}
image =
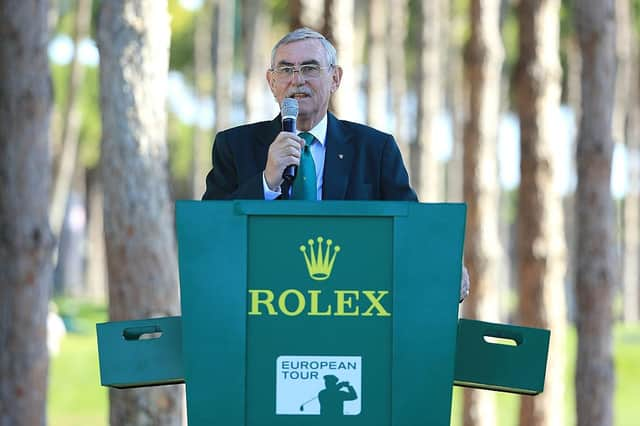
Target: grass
{"points": [[75, 395], [77, 399]]}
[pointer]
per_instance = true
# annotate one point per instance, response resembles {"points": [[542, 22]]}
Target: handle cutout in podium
{"points": [[142, 333], [495, 340]]}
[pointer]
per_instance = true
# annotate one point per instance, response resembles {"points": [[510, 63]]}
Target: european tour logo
{"points": [[329, 386], [319, 258]]}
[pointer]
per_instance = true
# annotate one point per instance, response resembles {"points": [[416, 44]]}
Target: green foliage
{"points": [[510, 39], [91, 130], [182, 33], [180, 137], [89, 106]]}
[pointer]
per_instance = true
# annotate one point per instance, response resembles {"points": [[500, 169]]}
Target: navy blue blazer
{"points": [[361, 163]]}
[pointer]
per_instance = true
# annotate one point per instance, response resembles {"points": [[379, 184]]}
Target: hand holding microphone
{"points": [[284, 153]]}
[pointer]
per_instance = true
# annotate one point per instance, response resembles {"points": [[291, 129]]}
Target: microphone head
{"points": [[289, 108]]}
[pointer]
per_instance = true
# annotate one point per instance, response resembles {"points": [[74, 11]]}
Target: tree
{"points": [[625, 130], [398, 23], [224, 62], [377, 65], [256, 58], [425, 169], [72, 119], [483, 62], [541, 241], [26, 241], [306, 13], [203, 81], [595, 232], [339, 29], [133, 39]]}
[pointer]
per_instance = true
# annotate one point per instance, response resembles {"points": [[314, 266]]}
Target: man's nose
{"points": [[297, 77]]}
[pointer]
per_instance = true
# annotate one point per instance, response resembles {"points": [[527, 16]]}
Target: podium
{"points": [[304, 313]]}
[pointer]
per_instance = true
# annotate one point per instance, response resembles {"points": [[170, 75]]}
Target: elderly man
{"points": [[344, 160], [347, 161]]}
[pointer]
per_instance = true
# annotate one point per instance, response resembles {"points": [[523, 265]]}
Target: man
{"points": [[351, 161]]}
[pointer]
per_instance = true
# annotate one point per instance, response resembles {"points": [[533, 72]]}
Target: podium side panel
{"points": [[428, 258], [214, 323]]}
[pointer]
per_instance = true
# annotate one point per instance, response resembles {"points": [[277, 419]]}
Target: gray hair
{"points": [[305, 34]]}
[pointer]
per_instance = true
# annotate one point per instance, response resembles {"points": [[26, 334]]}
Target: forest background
{"points": [[527, 110]]}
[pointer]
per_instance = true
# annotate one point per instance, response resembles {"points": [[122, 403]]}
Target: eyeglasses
{"points": [[306, 71]]}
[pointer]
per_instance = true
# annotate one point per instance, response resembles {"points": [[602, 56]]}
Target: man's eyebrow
{"points": [[290, 64]]}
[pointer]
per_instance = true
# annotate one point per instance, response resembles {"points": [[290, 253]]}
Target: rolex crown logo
{"points": [[319, 260]]}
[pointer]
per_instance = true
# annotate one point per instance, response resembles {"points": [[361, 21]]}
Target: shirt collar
{"points": [[320, 130]]}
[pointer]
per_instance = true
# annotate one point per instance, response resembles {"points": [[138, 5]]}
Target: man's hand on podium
{"points": [[464, 284]]}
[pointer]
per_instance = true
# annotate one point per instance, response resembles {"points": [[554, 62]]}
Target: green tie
{"points": [[304, 186]]}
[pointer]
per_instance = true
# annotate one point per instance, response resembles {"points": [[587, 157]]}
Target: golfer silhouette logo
{"points": [[332, 397]]}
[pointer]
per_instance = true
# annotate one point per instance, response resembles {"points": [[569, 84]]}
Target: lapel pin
{"points": [[340, 156]]}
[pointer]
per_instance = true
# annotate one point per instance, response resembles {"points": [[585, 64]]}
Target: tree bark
{"points": [[631, 293], [71, 121], [627, 130], [595, 256], [26, 241], [398, 24], [203, 76], [455, 87], [426, 172], [306, 13], [541, 236], [483, 62], [133, 40], [96, 270], [377, 65], [339, 29], [224, 63], [255, 59]]}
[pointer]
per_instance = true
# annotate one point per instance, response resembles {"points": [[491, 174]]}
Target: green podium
{"points": [[305, 313]]}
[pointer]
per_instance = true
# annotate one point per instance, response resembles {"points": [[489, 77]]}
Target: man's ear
{"points": [[271, 81], [336, 78]]}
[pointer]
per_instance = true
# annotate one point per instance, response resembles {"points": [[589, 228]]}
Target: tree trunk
{"points": [[295, 14], [306, 13], [71, 122], [96, 270], [455, 85], [627, 128], [255, 59], [141, 254], [541, 235], [398, 24], [426, 172], [339, 29], [26, 241], [203, 76], [377, 65], [224, 63], [483, 61], [595, 245], [631, 293]]}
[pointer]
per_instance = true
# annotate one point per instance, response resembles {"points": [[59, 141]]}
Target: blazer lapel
{"points": [[337, 161], [265, 137]]}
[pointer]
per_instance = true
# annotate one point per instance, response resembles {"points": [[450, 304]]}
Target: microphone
{"points": [[289, 110]]}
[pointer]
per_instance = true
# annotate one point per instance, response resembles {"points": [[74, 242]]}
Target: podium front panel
{"points": [[303, 313]]}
